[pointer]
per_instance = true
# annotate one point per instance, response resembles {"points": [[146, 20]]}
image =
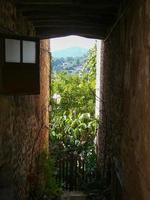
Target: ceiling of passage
{"points": [[53, 18]]}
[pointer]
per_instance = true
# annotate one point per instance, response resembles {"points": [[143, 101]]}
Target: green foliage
{"points": [[71, 134], [73, 123], [76, 95], [77, 91], [45, 186]]}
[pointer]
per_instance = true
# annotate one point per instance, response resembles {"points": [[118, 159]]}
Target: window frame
{"points": [[31, 87], [21, 39]]}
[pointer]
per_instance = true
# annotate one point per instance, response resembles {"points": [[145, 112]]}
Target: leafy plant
{"points": [[45, 186], [73, 123]]}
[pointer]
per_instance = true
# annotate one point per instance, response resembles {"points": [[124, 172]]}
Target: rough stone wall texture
{"points": [[23, 119], [126, 99], [11, 21]]}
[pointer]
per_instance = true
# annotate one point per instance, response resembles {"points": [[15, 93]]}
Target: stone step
{"points": [[74, 195]]}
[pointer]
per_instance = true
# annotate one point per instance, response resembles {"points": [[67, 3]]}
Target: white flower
{"points": [[57, 98]]}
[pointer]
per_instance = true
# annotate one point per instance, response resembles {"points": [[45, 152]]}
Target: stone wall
{"points": [[23, 119], [13, 22], [126, 101]]}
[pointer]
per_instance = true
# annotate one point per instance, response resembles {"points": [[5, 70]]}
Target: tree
{"points": [[73, 122]]}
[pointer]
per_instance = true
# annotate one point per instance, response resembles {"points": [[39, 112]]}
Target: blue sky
{"points": [[71, 41]]}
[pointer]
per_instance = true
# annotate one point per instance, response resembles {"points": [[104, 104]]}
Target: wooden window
{"points": [[12, 50], [29, 52], [19, 65]]}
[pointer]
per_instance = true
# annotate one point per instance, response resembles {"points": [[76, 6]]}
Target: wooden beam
{"points": [[67, 12], [59, 10], [66, 19], [53, 18], [92, 36], [95, 3], [97, 18], [47, 6], [56, 19], [56, 31], [70, 26], [68, 23], [44, 2], [49, 34]]}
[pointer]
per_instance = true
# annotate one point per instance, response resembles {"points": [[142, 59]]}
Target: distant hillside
{"points": [[69, 64], [70, 52]]}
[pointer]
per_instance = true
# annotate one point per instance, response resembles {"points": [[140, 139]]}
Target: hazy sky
{"points": [[71, 41]]}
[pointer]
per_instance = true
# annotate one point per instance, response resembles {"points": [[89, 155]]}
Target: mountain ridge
{"points": [[70, 52]]}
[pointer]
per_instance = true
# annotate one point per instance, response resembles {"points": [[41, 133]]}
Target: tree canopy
{"points": [[73, 123]]}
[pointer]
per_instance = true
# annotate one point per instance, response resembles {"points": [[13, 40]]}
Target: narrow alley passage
{"points": [[123, 135]]}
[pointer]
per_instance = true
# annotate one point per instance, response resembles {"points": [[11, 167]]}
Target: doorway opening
{"points": [[74, 111]]}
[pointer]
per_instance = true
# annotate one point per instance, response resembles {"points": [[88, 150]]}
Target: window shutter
{"points": [[19, 65]]}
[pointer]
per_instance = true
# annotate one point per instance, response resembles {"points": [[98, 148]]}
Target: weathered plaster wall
{"points": [[126, 100], [23, 119]]}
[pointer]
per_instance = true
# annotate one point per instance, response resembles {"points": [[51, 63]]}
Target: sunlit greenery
{"points": [[73, 123]]}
